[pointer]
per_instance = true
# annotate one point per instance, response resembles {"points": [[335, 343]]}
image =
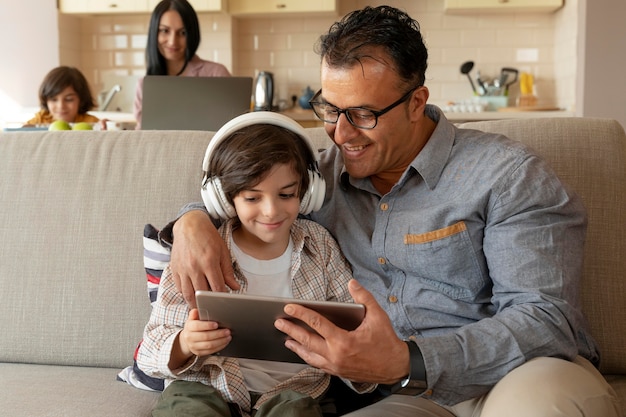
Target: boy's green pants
{"points": [[193, 399]]}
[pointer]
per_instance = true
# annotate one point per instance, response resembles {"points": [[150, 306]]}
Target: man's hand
{"points": [[370, 353], [200, 259]]}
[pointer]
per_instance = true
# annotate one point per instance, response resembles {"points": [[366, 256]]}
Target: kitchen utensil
{"points": [[466, 67], [264, 91], [508, 76], [481, 83]]}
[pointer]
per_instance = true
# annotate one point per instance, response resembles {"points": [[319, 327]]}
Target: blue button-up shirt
{"points": [[476, 253]]}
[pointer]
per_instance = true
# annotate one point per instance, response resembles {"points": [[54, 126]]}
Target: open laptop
{"points": [[193, 103], [25, 129]]}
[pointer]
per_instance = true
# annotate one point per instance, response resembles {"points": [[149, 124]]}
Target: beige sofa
{"points": [[72, 210]]}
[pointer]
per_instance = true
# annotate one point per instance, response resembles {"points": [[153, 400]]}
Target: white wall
{"points": [[566, 54], [601, 89], [30, 43]]}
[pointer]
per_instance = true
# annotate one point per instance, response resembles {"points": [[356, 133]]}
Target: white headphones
{"points": [[213, 196]]}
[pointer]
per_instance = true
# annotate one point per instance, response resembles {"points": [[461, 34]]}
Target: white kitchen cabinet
{"points": [[255, 8], [198, 5], [501, 6], [103, 6]]}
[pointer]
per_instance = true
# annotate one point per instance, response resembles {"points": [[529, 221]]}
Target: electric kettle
{"points": [[263, 91]]}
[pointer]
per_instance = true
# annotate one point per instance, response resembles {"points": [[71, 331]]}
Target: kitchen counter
{"points": [[117, 120], [457, 117], [305, 117], [308, 119]]}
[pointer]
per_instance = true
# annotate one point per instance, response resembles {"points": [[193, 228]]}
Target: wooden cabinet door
{"points": [[277, 7], [103, 6], [501, 6], [198, 5]]}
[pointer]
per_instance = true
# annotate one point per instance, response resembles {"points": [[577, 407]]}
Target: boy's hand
{"points": [[202, 338]]}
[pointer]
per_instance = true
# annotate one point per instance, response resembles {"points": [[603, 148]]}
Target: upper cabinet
{"points": [[131, 6], [254, 8], [198, 5], [103, 6], [501, 6]]}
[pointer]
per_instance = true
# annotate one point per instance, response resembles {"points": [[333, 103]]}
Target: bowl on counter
{"points": [[116, 120]]}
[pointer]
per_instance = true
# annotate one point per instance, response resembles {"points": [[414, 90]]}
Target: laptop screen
{"points": [[193, 103]]}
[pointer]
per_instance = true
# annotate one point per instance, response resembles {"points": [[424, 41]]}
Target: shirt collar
{"points": [[432, 159]]}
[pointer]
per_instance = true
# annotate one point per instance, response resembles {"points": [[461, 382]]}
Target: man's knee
{"points": [[552, 387]]}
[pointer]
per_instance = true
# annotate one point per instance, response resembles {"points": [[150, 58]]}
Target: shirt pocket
{"points": [[445, 259]]}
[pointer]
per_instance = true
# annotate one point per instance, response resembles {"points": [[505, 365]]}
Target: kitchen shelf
{"points": [[501, 6]]}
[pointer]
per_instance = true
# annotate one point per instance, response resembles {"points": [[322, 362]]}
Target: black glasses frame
{"points": [[377, 113]]}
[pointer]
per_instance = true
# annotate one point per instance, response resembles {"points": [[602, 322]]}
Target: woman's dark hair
{"points": [[361, 32], [155, 62], [58, 80], [245, 158]]}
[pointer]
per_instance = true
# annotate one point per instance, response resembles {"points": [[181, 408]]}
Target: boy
{"points": [[260, 174]]}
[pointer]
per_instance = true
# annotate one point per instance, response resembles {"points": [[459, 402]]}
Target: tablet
{"points": [[251, 321]]}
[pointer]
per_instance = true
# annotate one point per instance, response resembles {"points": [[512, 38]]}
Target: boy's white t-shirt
{"points": [[266, 277], [269, 278]]}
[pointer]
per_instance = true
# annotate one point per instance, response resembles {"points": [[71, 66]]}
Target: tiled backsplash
{"points": [[543, 44]]}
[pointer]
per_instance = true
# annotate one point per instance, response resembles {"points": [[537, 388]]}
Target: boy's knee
{"points": [[290, 403], [193, 399]]}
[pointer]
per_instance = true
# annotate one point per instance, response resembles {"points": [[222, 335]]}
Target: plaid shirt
{"points": [[319, 272]]}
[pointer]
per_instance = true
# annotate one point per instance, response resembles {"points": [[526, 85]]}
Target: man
{"points": [[465, 246]]}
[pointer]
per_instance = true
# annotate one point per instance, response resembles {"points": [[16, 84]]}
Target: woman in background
{"points": [[64, 94], [173, 39]]}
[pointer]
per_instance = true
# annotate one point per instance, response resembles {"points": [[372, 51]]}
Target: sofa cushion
{"points": [[69, 391]]}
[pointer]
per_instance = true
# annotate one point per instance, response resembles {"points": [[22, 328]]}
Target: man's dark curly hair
{"points": [[364, 31]]}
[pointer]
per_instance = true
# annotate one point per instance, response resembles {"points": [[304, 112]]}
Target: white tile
{"points": [[113, 42], [128, 59], [138, 41], [288, 59]]}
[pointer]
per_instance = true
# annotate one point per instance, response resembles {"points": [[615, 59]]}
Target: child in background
{"points": [[260, 174], [65, 95]]}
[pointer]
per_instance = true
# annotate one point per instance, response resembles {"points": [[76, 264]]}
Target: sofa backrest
{"points": [[73, 206], [72, 213], [590, 155]]}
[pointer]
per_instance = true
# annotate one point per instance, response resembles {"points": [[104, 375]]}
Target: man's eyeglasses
{"points": [[360, 117]]}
